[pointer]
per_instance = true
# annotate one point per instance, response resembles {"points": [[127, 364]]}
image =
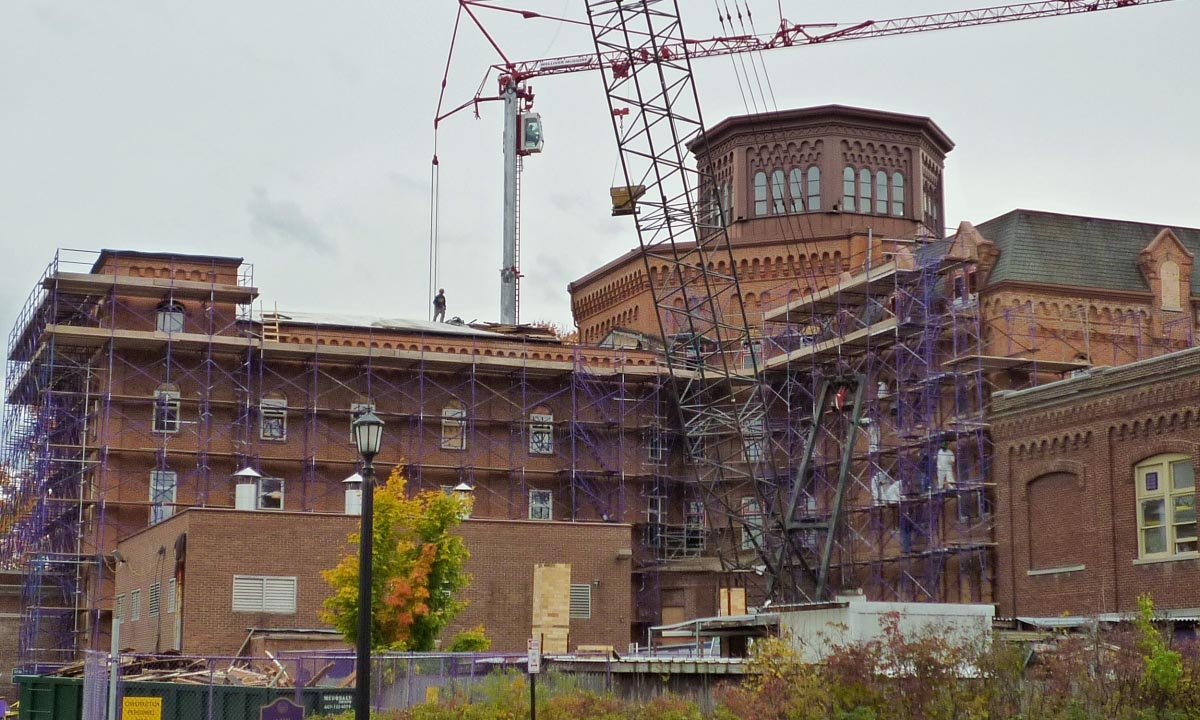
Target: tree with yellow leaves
{"points": [[417, 570]]}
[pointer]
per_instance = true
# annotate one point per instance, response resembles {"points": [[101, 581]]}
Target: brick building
{"points": [[140, 384], [799, 192], [1063, 289], [1096, 494], [202, 580]]}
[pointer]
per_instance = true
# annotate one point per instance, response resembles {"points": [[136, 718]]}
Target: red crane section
{"points": [[792, 35]]}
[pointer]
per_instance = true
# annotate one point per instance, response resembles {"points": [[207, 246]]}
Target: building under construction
{"points": [[141, 384]]}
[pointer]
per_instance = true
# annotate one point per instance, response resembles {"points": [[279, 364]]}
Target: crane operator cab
{"points": [[531, 133]]}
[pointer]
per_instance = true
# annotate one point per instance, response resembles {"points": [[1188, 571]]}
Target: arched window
{"points": [[726, 208], [541, 432], [778, 194], [848, 189], [814, 188], [881, 190], [166, 409], [1166, 512], [272, 417], [712, 208], [864, 191], [897, 194], [760, 193], [454, 426], [170, 317], [796, 188]]}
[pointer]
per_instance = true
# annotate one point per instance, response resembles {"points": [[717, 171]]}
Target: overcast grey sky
{"points": [[298, 134]]}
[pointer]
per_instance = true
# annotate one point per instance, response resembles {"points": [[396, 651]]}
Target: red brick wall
{"points": [[222, 543], [1064, 468], [502, 558]]}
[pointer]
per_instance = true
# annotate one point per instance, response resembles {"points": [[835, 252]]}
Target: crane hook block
{"points": [[624, 199]]}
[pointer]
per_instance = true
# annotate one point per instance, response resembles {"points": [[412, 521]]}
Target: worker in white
{"points": [[884, 490], [945, 467]]}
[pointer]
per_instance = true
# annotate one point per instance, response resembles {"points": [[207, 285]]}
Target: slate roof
{"points": [[1044, 247]]}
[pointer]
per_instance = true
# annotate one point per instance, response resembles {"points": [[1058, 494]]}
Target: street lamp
{"points": [[368, 432]]}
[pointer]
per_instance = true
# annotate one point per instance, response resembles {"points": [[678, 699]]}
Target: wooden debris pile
{"points": [[197, 671]]}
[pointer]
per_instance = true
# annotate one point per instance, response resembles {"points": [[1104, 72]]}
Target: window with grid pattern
{"points": [[272, 418], [454, 426], [163, 487], [541, 433], [152, 600], [1166, 496], [752, 523], [541, 505], [166, 410]]}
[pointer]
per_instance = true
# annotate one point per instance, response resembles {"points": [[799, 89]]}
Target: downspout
{"points": [[1112, 504], [1012, 535]]}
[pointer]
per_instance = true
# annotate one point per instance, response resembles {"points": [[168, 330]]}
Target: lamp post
{"points": [[368, 432]]}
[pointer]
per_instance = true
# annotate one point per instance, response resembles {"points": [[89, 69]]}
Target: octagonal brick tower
{"points": [[801, 191]]}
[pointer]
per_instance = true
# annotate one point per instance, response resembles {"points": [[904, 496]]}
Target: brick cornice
{"points": [[1123, 392]]}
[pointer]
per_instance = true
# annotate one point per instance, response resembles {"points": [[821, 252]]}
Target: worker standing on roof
{"points": [[439, 306]]}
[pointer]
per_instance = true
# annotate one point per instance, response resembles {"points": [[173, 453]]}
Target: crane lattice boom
{"points": [[791, 35]]}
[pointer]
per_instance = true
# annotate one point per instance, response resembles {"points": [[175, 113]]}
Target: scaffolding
{"points": [[140, 384], [887, 444], [92, 334]]}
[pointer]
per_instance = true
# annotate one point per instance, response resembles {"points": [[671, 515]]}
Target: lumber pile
{"points": [[243, 671]]}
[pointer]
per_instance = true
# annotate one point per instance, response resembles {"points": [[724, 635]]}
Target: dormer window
{"points": [[170, 317], [1168, 276]]}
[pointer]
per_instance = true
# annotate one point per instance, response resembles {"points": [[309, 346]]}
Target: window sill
{"points": [[1056, 570], [1170, 558]]}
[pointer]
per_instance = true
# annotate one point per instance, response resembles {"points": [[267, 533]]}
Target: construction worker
{"points": [[439, 306], [945, 467]]}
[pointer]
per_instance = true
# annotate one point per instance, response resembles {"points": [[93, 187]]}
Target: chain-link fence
{"points": [[173, 687]]}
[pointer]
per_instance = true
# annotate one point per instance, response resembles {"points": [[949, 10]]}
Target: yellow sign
{"points": [[141, 708]]}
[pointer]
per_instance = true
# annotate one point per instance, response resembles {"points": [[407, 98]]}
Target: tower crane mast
{"points": [[645, 58]]}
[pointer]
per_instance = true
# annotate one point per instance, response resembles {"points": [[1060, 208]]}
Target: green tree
{"points": [[417, 570]]}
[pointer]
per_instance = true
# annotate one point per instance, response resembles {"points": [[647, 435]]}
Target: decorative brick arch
{"points": [[1057, 466], [1165, 446]]}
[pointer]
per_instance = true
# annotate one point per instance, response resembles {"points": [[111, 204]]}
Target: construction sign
{"points": [[141, 708]]}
